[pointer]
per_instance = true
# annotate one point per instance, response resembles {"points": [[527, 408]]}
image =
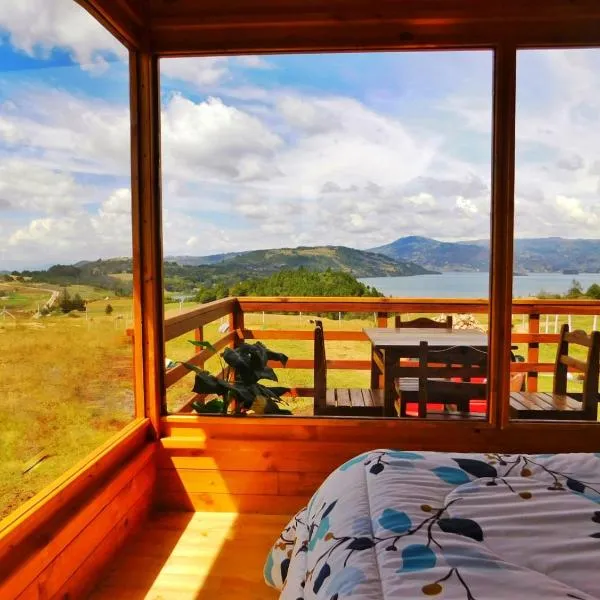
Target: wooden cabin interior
{"points": [[187, 506]]}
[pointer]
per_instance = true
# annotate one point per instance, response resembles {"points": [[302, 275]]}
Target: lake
{"points": [[475, 285]]}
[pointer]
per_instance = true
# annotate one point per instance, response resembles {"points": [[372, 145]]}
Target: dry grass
{"points": [[65, 387]]}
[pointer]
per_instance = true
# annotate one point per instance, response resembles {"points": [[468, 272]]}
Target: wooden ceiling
{"points": [[203, 27]]}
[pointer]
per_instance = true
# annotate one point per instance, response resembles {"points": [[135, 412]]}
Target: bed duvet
{"points": [[391, 524]]}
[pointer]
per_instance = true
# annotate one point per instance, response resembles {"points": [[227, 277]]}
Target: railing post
{"points": [[236, 322], [382, 319], [533, 352]]}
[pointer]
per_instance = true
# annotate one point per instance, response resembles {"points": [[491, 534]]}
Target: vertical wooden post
{"points": [[547, 326], [236, 323], [502, 232], [147, 236], [533, 352], [382, 319], [595, 323], [555, 323]]}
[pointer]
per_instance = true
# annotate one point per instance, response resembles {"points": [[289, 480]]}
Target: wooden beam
{"points": [[123, 18], [147, 231], [502, 225], [215, 27]]}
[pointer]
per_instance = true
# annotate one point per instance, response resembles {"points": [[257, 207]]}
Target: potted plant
{"points": [[239, 388]]}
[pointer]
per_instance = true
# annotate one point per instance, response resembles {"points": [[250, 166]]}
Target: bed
{"points": [[392, 524]]}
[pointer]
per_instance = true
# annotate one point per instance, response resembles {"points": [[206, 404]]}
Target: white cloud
{"points": [[211, 139], [201, 72], [38, 26]]}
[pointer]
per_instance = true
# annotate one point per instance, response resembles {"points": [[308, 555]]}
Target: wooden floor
{"points": [[194, 556]]}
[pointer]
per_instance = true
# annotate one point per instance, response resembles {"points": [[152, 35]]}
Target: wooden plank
{"points": [[365, 434], [84, 478], [181, 323], [330, 398], [579, 337], [293, 334], [533, 352], [137, 488], [219, 482], [301, 363], [343, 397], [502, 232], [374, 34], [575, 363], [147, 231], [299, 483], [244, 503], [357, 398]]}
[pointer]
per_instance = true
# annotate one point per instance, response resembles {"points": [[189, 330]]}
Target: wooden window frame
{"points": [[151, 36]]}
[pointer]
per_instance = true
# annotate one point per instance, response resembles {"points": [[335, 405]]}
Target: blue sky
{"points": [[352, 149]]}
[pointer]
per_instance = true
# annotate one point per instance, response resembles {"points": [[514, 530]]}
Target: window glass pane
{"points": [[557, 224], [65, 242], [349, 175]]}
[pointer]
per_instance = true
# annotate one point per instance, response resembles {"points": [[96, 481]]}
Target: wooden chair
{"points": [[423, 322], [559, 404], [446, 377], [408, 387], [341, 401]]}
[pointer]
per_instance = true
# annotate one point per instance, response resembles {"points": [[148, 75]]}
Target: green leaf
{"points": [[206, 345], [214, 406], [266, 373]]}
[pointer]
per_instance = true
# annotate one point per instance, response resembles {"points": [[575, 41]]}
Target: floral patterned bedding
{"points": [[391, 524]]}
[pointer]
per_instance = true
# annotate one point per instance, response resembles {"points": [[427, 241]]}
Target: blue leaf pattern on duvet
{"points": [[319, 533], [345, 581], [405, 455], [337, 547], [394, 520], [451, 475], [417, 557]]}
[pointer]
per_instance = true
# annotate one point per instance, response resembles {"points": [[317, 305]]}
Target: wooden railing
{"points": [[382, 308]]}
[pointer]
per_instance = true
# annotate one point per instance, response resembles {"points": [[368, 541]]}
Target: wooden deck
{"points": [[194, 556]]}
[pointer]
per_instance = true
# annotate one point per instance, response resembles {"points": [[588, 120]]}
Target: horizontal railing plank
{"points": [[174, 374], [298, 334], [191, 319]]}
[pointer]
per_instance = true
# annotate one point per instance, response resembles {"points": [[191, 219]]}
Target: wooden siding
{"points": [[56, 544], [273, 465]]}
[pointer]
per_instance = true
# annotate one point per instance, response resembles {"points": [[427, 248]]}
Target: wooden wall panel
{"points": [[274, 465], [63, 557]]}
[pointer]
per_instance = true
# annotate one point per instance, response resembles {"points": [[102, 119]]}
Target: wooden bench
{"points": [[560, 404], [340, 401]]}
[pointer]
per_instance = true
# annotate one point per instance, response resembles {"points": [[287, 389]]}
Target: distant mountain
{"points": [[441, 256], [533, 255], [359, 263], [194, 261], [262, 263]]}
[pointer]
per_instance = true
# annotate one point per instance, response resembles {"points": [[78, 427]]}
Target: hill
{"points": [[225, 270], [534, 255]]}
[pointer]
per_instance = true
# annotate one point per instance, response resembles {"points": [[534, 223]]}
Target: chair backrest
{"points": [[423, 322], [589, 367], [438, 367], [320, 368]]}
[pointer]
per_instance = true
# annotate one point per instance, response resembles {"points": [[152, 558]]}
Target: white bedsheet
{"points": [[392, 524]]}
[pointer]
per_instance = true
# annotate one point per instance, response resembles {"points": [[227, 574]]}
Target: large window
{"points": [[557, 221], [325, 175], [65, 242]]}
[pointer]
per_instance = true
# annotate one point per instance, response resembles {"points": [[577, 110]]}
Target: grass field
{"points": [[66, 381], [65, 385]]}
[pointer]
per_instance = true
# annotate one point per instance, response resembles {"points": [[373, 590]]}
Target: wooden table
{"points": [[388, 346]]}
